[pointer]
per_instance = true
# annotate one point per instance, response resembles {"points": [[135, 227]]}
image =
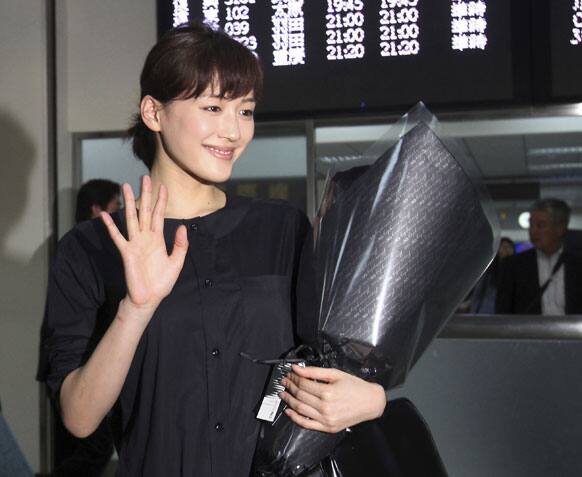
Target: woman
{"points": [[150, 309]]}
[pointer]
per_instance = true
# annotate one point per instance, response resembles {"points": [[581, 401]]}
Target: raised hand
{"points": [[329, 400], [150, 273]]}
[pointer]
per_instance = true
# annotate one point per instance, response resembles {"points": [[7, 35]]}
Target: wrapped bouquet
{"points": [[398, 243]]}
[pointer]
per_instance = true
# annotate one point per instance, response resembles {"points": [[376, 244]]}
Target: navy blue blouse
{"points": [[188, 405]]}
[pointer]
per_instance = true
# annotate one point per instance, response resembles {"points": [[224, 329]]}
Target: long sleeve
{"points": [[74, 295]]}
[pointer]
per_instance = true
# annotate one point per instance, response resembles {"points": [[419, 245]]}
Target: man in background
{"points": [[547, 279], [95, 196], [73, 456]]}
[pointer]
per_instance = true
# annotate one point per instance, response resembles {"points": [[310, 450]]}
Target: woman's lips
{"points": [[225, 153]]}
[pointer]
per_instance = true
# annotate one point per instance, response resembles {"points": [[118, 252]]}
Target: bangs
{"points": [[213, 61], [224, 84]]}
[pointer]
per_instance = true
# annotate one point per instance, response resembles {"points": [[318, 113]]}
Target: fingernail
{"points": [[284, 382]]}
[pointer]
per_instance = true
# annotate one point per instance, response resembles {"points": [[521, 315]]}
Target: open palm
{"points": [[150, 273]]}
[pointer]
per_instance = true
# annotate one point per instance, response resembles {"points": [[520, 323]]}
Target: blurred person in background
{"points": [[482, 299], [96, 196], [546, 279], [86, 457]]}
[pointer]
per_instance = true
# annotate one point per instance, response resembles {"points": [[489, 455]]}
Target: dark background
{"points": [[528, 61]]}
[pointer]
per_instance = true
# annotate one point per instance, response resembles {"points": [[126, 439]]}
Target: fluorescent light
{"points": [[523, 220], [554, 151]]}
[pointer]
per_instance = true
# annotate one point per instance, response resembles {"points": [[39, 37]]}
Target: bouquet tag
{"points": [[271, 400]]}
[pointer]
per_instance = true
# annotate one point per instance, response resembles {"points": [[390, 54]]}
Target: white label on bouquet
{"points": [[268, 409], [271, 400]]}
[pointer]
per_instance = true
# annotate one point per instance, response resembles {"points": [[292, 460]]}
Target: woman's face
{"points": [[207, 134], [505, 249]]}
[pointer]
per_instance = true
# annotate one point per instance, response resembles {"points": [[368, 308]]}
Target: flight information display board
{"points": [[566, 49], [352, 55]]}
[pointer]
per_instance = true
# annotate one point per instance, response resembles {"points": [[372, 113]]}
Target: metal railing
{"points": [[513, 327]]}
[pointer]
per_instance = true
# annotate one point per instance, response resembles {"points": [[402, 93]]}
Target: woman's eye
{"points": [[213, 109], [248, 113]]}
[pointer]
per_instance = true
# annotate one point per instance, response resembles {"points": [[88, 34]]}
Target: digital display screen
{"points": [[566, 48], [366, 55]]}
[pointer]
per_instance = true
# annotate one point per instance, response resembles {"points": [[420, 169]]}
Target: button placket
{"points": [[209, 294]]}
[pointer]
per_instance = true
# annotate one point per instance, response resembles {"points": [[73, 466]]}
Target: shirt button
{"points": [[218, 426], [194, 227], [216, 352], [208, 283]]}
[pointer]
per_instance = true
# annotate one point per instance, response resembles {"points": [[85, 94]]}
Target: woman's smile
{"points": [[225, 153]]}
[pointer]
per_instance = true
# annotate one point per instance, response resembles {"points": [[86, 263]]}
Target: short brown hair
{"points": [[183, 64]]}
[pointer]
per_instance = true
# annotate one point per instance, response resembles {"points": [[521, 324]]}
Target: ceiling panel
{"points": [[499, 156]]}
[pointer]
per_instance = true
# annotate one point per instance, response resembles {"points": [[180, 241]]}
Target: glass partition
{"points": [[110, 158], [503, 408], [273, 167], [521, 158]]}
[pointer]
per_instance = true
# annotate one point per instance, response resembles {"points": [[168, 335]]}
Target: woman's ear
{"points": [[149, 109]]}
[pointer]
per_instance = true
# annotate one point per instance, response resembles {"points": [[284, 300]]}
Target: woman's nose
{"points": [[229, 128]]}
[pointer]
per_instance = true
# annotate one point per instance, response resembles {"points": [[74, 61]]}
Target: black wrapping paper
{"points": [[397, 246], [396, 254], [399, 444]]}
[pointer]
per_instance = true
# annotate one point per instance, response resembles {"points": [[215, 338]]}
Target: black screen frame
{"points": [[531, 70]]}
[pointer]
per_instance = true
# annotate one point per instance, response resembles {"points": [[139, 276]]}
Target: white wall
{"points": [[107, 42], [24, 213], [101, 47]]}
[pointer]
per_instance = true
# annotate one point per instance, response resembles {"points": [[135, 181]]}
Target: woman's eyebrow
{"points": [[217, 96]]}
